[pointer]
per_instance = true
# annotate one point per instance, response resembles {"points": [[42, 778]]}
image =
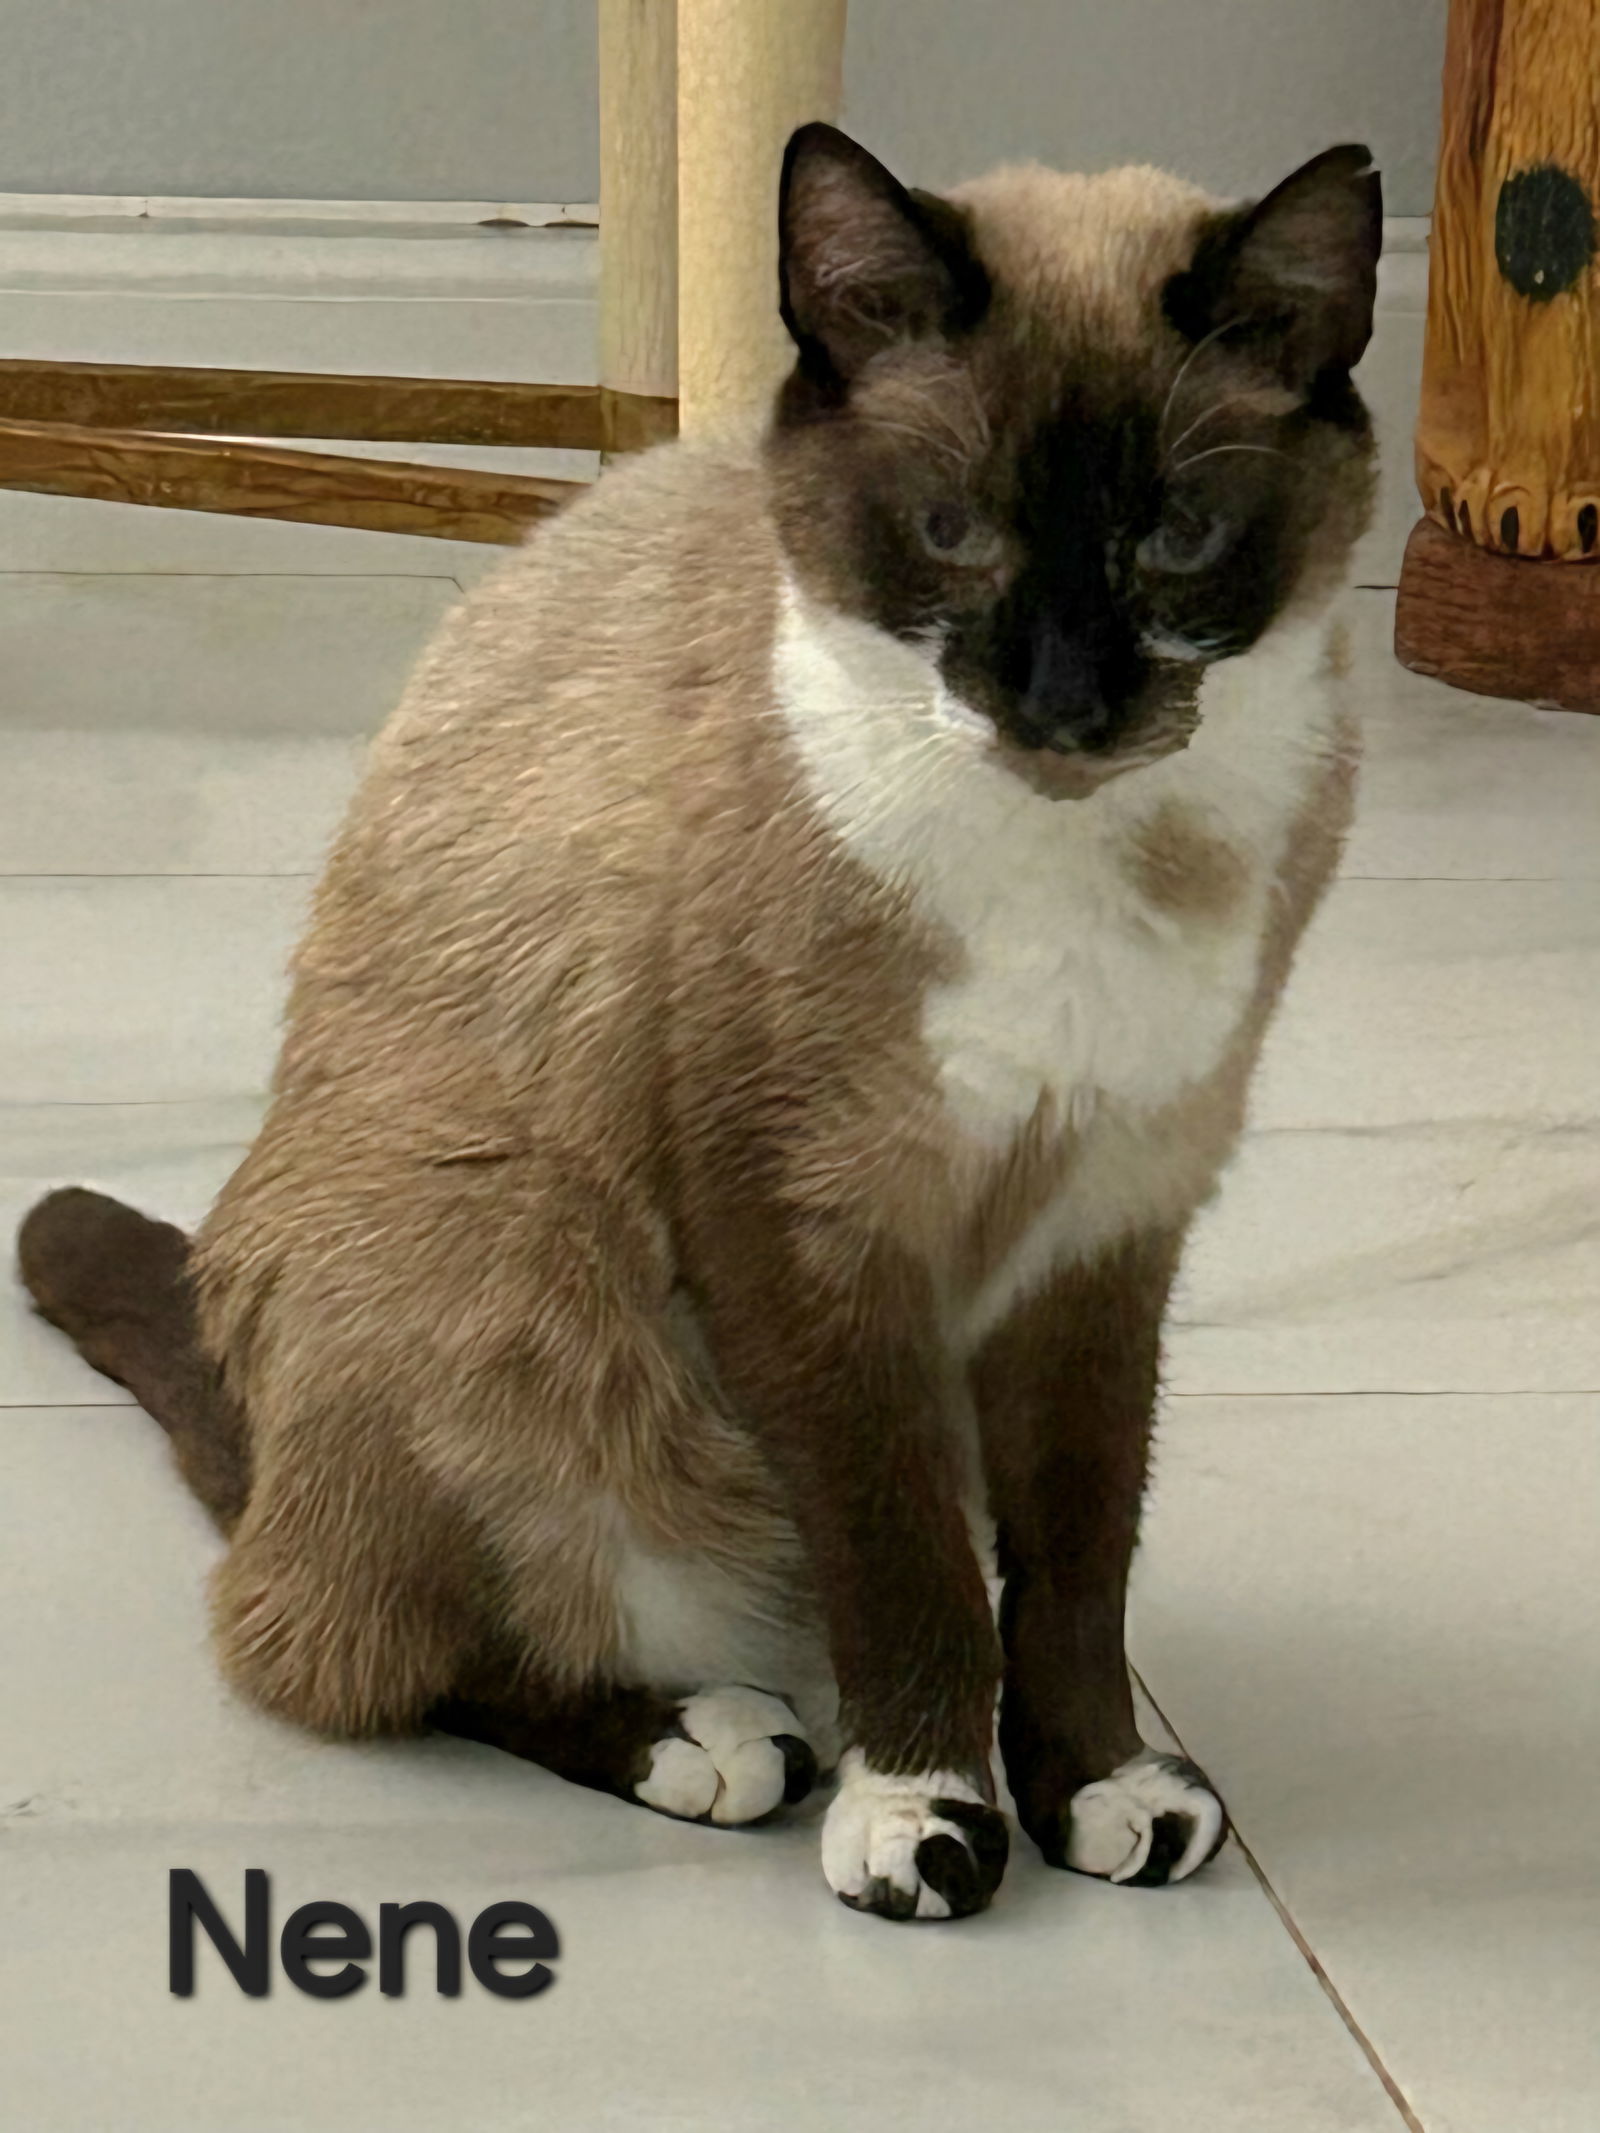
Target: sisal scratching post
{"points": [[638, 220], [1500, 592], [749, 72]]}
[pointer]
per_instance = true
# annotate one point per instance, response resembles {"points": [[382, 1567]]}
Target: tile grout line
{"points": [[1398, 1392], [1473, 881], [195, 874], [386, 577], [1540, 1392], [130, 1103], [1369, 2051]]}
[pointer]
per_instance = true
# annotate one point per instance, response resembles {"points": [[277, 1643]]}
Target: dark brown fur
{"points": [[1066, 1392], [119, 1286]]}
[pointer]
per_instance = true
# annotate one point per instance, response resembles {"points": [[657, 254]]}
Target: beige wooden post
{"points": [[749, 72], [638, 217]]}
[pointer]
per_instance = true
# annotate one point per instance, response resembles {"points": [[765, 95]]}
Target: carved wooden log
{"points": [[1508, 438]]}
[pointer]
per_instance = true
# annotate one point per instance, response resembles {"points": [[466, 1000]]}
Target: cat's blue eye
{"points": [[953, 533], [945, 526], [1186, 541]]}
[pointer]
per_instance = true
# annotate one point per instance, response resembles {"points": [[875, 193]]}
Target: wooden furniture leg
{"points": [[697, 98]]}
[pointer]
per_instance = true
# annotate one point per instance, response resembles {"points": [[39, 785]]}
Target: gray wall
{"points": [[1232, 93], [310, 99], [495, 99]]}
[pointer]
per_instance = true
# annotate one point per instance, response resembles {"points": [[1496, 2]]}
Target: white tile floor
{"points": [[1365, 1599]]}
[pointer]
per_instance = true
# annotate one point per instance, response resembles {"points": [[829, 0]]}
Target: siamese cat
{"points": [[787, 982]]}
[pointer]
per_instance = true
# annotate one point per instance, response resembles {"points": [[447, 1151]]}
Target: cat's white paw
{"points": [[737, 1755], [1154, 1820], [928, 1846]]}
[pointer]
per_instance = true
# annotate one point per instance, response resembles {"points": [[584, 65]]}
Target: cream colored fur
{"points": [[1072, 987]]}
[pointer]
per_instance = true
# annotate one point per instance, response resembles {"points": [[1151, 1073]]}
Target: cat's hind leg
{"points": [[347, 1599], [358, 1598], [726, 1756], [490, 1490]]}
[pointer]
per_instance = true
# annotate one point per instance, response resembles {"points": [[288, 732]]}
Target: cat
{"points": [[786, 983]]}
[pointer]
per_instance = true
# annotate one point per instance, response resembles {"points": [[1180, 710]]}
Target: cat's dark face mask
{"points": [[1082, 494]]}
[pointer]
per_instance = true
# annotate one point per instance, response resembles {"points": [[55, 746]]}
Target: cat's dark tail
{"points": [[117, 1284]]}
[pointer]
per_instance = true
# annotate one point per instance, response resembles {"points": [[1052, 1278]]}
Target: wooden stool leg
{"points": [[749, 72], [638, 220], [1501, 586]]}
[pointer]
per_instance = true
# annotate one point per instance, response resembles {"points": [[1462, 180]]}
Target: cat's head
{"points": [[1082, 435]]}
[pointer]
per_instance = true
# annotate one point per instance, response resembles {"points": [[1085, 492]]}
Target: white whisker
{"points": [[1199, 422], [929, 438], [1196, 351], [1269, 451]]}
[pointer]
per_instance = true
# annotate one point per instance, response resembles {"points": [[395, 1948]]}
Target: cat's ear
{"points": [[1300, 267], [862, 262]]}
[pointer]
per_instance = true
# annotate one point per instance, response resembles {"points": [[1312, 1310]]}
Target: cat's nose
{"points": [[1076, 701], [1083, 728], [1093, 728]]}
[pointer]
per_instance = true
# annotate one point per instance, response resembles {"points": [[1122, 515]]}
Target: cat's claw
{"points": [[928, 1846]]}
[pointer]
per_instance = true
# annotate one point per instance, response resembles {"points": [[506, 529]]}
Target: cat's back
{"points": [[639, 595], [573, 692], [520, 819]]}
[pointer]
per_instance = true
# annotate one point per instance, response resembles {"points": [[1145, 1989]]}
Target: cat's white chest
{"points": [[1071, 983]]}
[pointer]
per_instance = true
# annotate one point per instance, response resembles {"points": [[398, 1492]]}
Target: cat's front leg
{"points": [[845, 1385], [1065, 1391]]}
